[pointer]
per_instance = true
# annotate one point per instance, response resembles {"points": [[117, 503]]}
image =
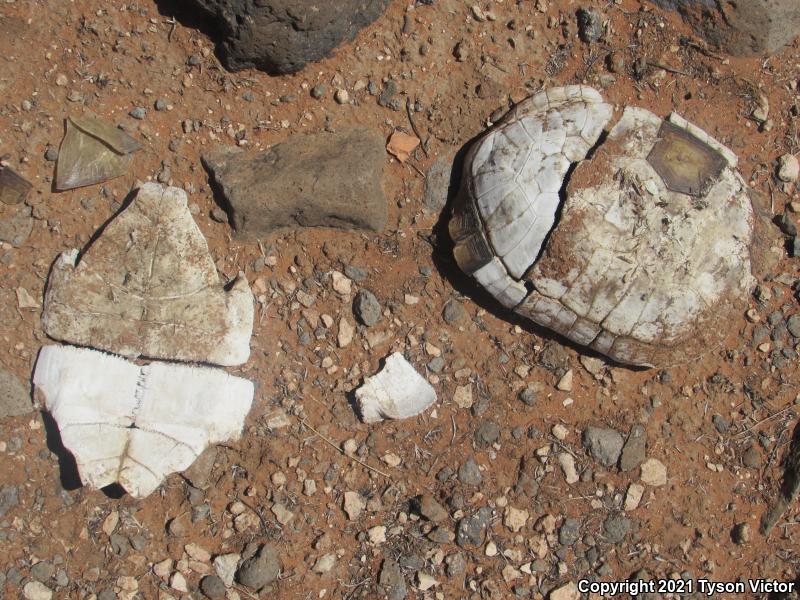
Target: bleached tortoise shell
{"points": [[642, 253]]}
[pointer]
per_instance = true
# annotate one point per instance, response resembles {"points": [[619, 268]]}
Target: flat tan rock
{"points": [[148, 287]]}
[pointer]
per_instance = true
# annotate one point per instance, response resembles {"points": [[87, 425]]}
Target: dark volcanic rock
{"points": [[319, 180], [741, 28], [281, 36]]}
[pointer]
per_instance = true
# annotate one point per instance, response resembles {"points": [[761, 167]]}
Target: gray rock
{"points": [[42, 571], [119, 544], [633, 452], [437, 184], [213, 587], [605, 445], [51, 154], [17, 225], [441, 535], [720, 424], [744, 28], [318, 180], [199, 472], [751, 458], [471, 530], [391, 583], [794, 247], [107, 595], [354, 273], [14, 397], [319, 90], [281, 36], [9, 498], [793, 325], [453, 311], [590, 25], [615, 528], [138, 113], [786, 224], [469, 473], [741, 533], [569, 532], [367, 308], [427, 506], [487, 433], [530, 394], [527, 483], [456, 565], [261, 569], [436, 364]]}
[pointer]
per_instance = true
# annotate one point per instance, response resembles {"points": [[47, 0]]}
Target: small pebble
{"points": [[341, 96], [138, 113]]}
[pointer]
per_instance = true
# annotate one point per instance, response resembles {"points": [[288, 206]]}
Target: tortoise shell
{"points": [[640, 251]]}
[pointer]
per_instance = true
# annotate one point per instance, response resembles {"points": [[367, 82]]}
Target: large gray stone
{"points": [[318, 180], [744, 28], [281, 36]]}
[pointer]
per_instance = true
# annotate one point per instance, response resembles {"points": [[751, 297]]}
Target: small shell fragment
{"points": [[396, 392]]}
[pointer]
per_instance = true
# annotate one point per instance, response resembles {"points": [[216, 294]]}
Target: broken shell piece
{"points": [[148, 287], [92, 151], [136, 425], [648, 256], [13, 188], [396, 392]]}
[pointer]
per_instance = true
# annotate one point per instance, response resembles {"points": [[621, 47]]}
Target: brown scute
{"points": [[685, 163]]}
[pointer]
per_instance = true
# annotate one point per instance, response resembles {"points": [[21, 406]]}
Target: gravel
{"points": [[453, 311], [471, 530], [615, 528], [260, 570], [530, 394], [15, 398], [427, 506], [590, 25], [319, 91], [9, 498], [213, 587], [391, 583], [367, 308], [487, 433], [469, 473], [605, 445], [569, 532], [634, 450], [793, 325]]}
